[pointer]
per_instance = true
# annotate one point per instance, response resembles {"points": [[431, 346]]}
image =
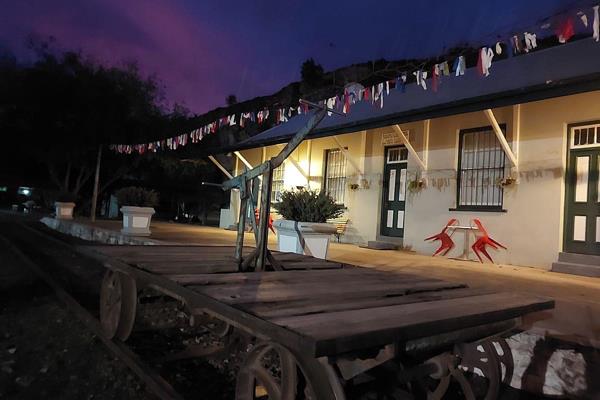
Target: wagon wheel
{"points": [[476, 359], [505, 358], [273, 372], [118, 300]]}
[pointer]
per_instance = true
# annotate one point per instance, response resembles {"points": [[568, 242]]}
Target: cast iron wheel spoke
{"points": [[128, 300], [464, 384], [440, 389], [118, 300], [267, 381], [299, 377], [110, 303], [289, 374], [505, 359], [483, 357]]}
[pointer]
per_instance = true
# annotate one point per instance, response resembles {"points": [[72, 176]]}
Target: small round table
{"points": [[466, 248]]}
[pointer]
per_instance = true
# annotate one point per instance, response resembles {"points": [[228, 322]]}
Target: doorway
{"points": [[582, 198], [393, 203]]}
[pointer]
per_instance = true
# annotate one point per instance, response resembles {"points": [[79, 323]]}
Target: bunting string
{"points": [[564, 26]]}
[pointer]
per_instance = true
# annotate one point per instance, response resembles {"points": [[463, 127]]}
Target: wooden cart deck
{"points": [[315, 306]]}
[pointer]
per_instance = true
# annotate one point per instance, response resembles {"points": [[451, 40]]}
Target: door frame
{"points": [[382, 200], [567, 181]]}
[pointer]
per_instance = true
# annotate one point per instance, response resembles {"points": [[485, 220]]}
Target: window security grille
{"points": [[278, 183], [481, 168], [335, 174]]}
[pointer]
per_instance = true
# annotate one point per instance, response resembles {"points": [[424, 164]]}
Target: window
{"points": [[277, 185], [585, 136], [481, 168], [335, 174], [397, 155]]}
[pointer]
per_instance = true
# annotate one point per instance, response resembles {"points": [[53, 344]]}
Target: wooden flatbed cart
{"points": [[323, 331], [334, 331]]}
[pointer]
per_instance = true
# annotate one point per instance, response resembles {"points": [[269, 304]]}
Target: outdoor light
{"points": [[25, 191]]}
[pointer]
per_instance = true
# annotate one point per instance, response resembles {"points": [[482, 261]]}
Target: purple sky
{"points": [[204, 50]]}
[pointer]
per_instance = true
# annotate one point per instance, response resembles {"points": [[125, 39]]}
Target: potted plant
{"points": [[137, 205], [303, 228], [64, 205]]}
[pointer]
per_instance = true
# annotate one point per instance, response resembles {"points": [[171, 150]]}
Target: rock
{"points": [[12, 350]]}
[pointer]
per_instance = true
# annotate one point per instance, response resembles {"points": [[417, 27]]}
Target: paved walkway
{"points": [[576, 316]]}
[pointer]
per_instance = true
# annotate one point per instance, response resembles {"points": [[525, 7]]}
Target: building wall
{"points": [[531, 226]]}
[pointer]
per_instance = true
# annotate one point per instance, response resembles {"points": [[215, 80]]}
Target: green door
{"points": [[582, 222], [394, 191]]}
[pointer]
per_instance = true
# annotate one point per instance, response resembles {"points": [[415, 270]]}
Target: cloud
{"points": [[191, 59]]}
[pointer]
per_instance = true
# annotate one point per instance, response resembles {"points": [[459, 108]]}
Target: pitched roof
{"points": [[552, 72]]}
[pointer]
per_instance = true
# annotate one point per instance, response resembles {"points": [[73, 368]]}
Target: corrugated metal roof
{"points": [[552, 72]]}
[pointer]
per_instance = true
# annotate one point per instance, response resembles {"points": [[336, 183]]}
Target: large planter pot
{"points": [[310, 238], [64, 210], [136, 220]]}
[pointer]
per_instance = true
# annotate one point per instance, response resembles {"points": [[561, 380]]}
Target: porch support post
{"points": [[409, 147], [516, 129], [426, 125], [222, 168], [349, 157], [308, 160], [242, 159], [501, 138]]}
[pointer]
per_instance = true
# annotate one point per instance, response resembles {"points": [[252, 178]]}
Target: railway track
{"points": [[155, 384]]}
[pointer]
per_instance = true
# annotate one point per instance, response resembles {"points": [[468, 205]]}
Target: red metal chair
{"points": [[482, 241], [270, 224], [446, 242]]}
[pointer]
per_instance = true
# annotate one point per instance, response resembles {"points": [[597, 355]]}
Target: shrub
{"points": [[137, 196], [308, 206], [66, 197]]}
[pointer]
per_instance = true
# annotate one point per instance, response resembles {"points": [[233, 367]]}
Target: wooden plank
{"points": [[230, 281], [201, 303], [245, 294], [189, 270], [345, 330], [352, 302], [287, 266], [254, 278]]}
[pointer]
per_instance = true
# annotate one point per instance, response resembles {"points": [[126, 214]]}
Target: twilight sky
{"points": [[203, 50]]}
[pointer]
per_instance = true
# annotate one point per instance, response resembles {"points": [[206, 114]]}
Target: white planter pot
{"points": [[308, 238], [136, 220], [64, 210]]}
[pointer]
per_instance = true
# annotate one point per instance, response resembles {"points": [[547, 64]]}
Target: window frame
{"points": [[479, 208], [326, 168], [281, 168]]}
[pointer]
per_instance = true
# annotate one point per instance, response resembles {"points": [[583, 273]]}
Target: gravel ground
{"points": [[45, 352]]}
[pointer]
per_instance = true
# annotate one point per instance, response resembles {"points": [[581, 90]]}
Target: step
{"points": [[379, 245], [576, 258], [576, 269]]}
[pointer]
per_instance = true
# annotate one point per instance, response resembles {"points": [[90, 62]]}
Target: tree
{"points": [[231, 100], [312, 73], [59, 110]]}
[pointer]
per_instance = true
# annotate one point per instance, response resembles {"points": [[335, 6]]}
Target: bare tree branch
{"points": [[67, 177], [54, 176]]}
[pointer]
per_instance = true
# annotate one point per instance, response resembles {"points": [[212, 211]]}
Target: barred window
{"points": [[335, 174], [277, 185], [481, 168]]}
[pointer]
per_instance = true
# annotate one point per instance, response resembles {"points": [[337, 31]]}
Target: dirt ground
{"points": [[46, 353]]}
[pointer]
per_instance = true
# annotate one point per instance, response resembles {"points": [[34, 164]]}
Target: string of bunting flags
{"points": [[564, 28]]}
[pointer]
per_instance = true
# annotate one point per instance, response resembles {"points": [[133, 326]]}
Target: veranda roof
{"points": [[557, 71]]}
